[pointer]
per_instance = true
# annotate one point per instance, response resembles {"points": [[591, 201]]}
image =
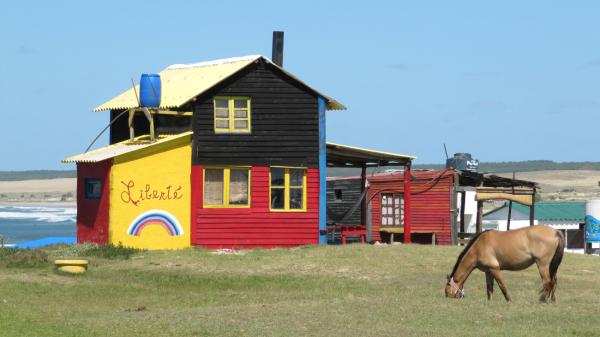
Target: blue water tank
{"points": [[150, 89]]}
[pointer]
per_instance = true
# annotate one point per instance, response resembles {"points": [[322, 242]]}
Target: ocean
{"points": [[26, 223]]}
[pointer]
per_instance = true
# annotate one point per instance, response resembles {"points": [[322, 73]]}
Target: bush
{"points": [[104, 251], [23, 258]]}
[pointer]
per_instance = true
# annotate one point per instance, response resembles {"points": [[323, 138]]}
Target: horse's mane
{"points": [[462, 254]]}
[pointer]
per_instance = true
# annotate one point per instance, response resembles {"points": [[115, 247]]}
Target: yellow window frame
{"points": [[231, 114], [226, 183], [287, 187]]}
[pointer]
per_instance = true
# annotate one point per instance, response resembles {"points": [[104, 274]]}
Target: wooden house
{"points": [[252, 172]]}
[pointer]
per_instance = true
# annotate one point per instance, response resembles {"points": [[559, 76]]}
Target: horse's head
{"points": [[452, 289]]}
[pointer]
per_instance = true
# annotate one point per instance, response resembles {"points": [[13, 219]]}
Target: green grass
{"points": [[357, 290], [94, 250]]}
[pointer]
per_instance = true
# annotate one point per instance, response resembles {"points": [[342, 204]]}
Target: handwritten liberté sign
{"points": [[135, 195]]}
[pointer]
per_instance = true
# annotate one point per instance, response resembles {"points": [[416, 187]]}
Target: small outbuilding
{"points": [[567, 216], [136, 193], [439, 206]]}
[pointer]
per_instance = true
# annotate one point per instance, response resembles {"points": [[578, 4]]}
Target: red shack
{"points": [[430, 206]]}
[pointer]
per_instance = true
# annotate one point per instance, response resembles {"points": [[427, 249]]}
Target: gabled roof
{"points": [[125, 147], [551, 210], [180, 83]]}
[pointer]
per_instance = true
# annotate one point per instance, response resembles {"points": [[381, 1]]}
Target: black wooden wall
{"points": [[119, 130], [336, 209], [163, 124], [284, 122]]}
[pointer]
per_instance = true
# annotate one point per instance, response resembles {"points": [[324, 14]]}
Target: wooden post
{"points": [[407, 214], [510, 203], [151, 121], [509, 215], [363, 203], [453, 216], [130, 123], [532, 210], [479, 215], [463, 203]]}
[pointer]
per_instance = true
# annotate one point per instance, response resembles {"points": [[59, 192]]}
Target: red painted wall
{"points": [[92, 214], [430, 205], [257, 226]]}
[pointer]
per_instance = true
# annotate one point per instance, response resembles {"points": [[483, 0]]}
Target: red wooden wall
{"points": [[92, 214], [257, 226], [430, 206]]}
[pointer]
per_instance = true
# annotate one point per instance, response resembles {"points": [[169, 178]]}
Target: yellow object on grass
{"points": [[72, 266]]}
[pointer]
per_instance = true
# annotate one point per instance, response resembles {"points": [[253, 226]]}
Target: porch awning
{"points": [[349, 156]]}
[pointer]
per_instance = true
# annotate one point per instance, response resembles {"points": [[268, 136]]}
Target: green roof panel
{"points": [[553, 210]]}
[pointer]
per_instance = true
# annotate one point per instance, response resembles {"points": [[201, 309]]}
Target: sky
{"points": [[503, 80]]}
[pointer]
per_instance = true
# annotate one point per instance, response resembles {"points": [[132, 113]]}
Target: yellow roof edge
{"points": [[165, 140], [375, 152]]}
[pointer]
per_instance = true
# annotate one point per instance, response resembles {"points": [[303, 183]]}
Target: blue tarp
{"points": [[70, 240]]}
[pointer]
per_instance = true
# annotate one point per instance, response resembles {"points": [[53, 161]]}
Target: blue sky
{"points": [[510, 80]]}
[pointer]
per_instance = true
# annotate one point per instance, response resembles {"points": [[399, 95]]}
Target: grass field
{"points": [[357, 290]]}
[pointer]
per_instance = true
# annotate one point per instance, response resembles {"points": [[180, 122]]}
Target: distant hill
{"points": [[492, 167], [36, 174], [526, 166]]}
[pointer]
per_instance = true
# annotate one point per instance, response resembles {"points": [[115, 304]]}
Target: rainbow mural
{"points": [[155, 217]]}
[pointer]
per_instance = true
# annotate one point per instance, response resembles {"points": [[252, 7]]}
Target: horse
{"points": [[493, 251]]}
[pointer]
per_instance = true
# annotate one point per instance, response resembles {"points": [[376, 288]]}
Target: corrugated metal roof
{"points": [[180, 83], [343, 155], [122, 148], [551, 210]]}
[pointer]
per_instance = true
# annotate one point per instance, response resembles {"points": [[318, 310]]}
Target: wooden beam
{"points": [[509, 215], [363, 203], [151, 120], [407, 210], [479, 216], [172, 112], [532, 211], [463, 202], [130, 123]]}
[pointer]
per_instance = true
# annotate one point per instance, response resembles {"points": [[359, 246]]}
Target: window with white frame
{"points": [[392, 209]]}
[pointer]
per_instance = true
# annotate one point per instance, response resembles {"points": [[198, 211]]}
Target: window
{"points": [[92, 188], [337, 197], [392, 209], [288, 189], [227, 187], [232, 114]]}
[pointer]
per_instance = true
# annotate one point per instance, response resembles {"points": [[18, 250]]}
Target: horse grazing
{"points": [[494, 251]]}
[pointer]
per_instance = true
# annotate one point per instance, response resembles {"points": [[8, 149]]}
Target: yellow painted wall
{"points": [[155, 180]]}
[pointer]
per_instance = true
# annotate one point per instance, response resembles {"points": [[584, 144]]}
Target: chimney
{"points": [[277, 57]]}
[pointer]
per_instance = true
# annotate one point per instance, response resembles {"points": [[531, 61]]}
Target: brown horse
{"points": [[494, 251]]}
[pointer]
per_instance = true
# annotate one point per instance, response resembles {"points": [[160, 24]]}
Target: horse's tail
{"points": [[558, 255]]}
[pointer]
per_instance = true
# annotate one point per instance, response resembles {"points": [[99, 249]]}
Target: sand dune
{"points": [[61, 185], [555, 181]]}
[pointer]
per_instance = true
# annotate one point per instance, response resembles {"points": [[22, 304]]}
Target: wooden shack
{"points": [[435, 212]]}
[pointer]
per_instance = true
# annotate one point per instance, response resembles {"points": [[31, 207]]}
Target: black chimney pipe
{"points": [[277, 56]]}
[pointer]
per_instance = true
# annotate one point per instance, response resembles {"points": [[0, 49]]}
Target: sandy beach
{"points": [[47, 191]]}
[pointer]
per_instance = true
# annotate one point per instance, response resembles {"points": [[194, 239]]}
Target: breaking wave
{"points": [[39, 213]]}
